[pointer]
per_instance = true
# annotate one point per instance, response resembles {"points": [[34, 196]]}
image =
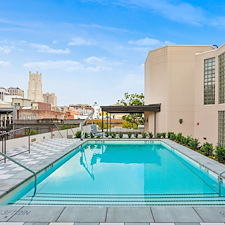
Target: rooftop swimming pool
{"points": [[122, 173]]}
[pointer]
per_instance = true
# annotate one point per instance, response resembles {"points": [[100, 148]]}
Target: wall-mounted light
{"points": [[180, 121]]}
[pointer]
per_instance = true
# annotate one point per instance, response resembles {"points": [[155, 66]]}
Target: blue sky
{"points": [[94, 50]]}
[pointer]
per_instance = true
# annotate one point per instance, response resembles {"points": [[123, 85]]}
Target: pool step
{"points": [[117, 200]]}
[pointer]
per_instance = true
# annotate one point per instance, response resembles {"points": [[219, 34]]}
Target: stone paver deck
{"points": [[46, 152]]}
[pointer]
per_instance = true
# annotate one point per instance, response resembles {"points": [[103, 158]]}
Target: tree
{"points": [[132, 100]]}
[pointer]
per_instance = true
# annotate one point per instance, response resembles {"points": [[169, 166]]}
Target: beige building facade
{"points": [[50, 98], [209, 105], [16, 91], [189, 82], [35, 92]]}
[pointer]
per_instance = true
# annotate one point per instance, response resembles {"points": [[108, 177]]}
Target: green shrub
{"points": [[127, 124], [163, 135], [120, 135], [194, 144], [220, 153], [129, 134], [113, 134], [136, 134], [169, 134], [31, 132], [78, 134], [179, 137], [107, 134], [173, 136], [158, 135], [184, 140], [207, 149], [150, 134], [144, 134]]}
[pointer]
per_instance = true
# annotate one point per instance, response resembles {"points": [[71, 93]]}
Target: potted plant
{"points": [[129, 134], [144, 134]]}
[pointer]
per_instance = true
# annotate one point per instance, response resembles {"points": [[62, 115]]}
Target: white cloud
{"points": [[78, 42], [47, 49], [5, 63], [93, 60], [6, 49], [91, 64], [67, 65], [181, 12], [146, 43]]}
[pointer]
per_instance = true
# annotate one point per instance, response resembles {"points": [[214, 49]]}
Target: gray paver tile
{"points": [[187, 223], [162, 223], [137, 223], [86, 224], [35, 223], [11, 223], [211, 214], [111, 223], [211, 223], [6, 212], [83, 214], [129, 214], [175, 214], [58, 223], [37, 214]]}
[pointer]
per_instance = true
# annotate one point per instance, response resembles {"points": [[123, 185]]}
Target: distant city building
{"points": [[27, 114], [96, 108], [63, 109], [21, 103], [35, 93], [3, 92], [50, 98], [16, 91], [6, 95], [82, 110], [41, 106]]}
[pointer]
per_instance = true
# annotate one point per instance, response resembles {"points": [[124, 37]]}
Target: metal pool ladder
{"points": [[26, 168], [219, 182]]}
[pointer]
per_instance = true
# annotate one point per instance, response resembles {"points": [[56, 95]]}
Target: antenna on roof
{"points": [[215, 46]]}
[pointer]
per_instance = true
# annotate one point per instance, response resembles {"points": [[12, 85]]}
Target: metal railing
{"points": [[51, 129], [219, 182], [26, 168], [58, 130], [82, 125], [5, 136]]}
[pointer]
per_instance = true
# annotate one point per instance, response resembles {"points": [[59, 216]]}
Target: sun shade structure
{"points": [[131, 109]]}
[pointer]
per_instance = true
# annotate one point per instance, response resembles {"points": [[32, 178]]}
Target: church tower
{"points": [[35, 93]]}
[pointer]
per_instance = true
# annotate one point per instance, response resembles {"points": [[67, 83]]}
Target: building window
{"points": [[222, 78], [221, 126], [209, 81]]}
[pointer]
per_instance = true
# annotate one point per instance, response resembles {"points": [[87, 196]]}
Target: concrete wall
{"points": [[169, 80], [206, 116], [23, 141]]}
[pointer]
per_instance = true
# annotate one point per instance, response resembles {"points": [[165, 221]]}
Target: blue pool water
{"points": [[101, 173]]}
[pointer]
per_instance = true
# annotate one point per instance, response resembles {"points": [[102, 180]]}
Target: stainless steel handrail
{"points": [[72, 129], [4, 138], [26, 168], [12, 131], [82, 125], [219, 181], [58, 131]]}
